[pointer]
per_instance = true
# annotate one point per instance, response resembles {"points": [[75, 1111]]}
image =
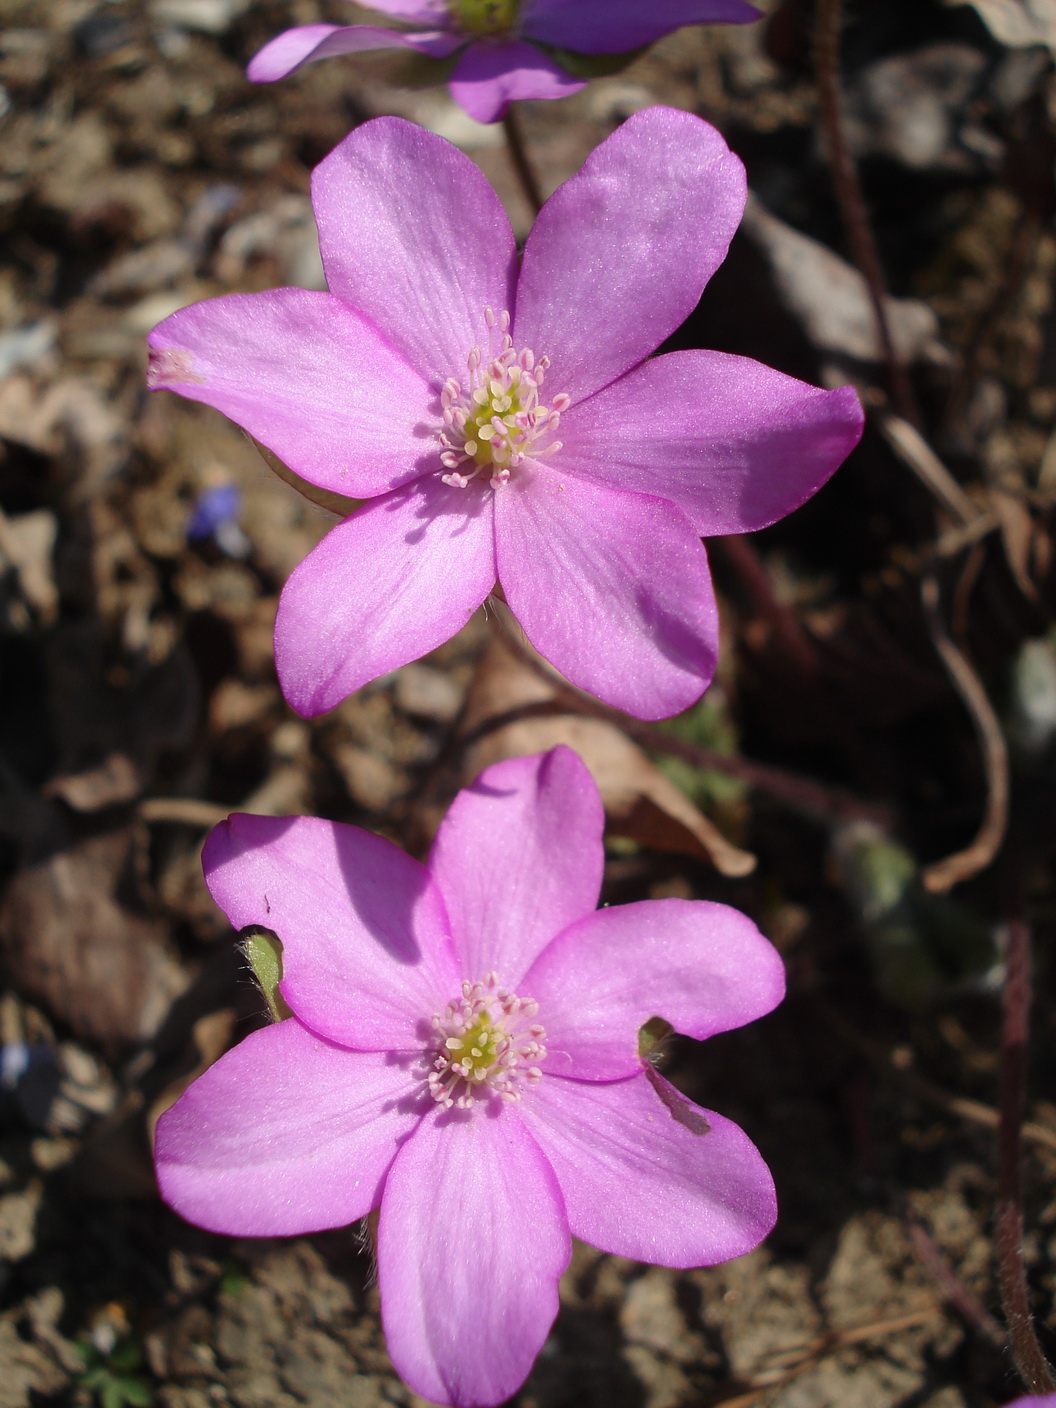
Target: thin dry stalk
{"points": [[519, 157], [851, 201], [1030, 1361], [944, 874]]}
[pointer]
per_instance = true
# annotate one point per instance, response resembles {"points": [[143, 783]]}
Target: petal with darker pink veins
{"points": [[286, 1134], [517, 859], [413, 236], [309, 378], [471, 1244], [365, 951], [393, 581], [612, 588], [648, 1175]]}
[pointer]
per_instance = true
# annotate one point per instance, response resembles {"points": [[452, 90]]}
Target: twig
{"points": [[519, 156], [971, 1310], [744, 560], [914, 451], [972, 1111], [851, 201], [944, 874], [808, 1356], [1029, 1358], [189, 810]]}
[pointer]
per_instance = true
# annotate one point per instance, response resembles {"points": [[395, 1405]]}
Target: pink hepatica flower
{"points": [[463, 1051], [503, 47], [503, 417]]}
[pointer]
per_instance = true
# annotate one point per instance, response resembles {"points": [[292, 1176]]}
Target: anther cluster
{"points": [[497, 421], [487, 1044]]}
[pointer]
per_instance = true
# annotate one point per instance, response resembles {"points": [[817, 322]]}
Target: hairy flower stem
{"points": [[519, 156], [851, 201], [1030, 1361]]}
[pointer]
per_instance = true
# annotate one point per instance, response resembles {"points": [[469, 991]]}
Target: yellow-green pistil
{"points": [[485, 16], [477, 1050], [486, 1045], [496, 422]]}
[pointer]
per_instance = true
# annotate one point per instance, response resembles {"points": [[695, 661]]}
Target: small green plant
{"points": [[114, 1380]]}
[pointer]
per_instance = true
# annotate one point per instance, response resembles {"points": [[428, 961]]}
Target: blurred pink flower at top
{"points": [[502, 49], [503, 416], [1045, 1400], [463, 1052]]}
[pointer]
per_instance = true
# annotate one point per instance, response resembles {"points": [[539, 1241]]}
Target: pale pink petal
{"points": [[286, 1134], [612, 588], [366, 958], [614, 26], [413, 236], [471, 1244], [489, 77], [517, 859], [640, 1177], [309, 378], [311, 42], [703, 967], [733, 443], [397, 579], [620, 253]]}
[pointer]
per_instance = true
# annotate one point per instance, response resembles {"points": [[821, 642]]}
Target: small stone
{"points": [[428, 693]]}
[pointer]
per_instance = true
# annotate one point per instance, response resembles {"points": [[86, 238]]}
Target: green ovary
{"points": [[477, 1046], [485, 16], [493, 401]]}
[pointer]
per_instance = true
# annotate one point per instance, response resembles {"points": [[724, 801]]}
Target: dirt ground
{"points": [[830, 765]]}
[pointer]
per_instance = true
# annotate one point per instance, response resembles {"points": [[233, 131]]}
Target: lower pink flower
{"points": [[464, 1053]]}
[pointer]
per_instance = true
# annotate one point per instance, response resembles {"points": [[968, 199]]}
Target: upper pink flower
{"points": [[418, 382], [497, 42], [464, 1052]]}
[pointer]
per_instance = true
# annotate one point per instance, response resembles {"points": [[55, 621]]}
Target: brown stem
{"points": [[800, 794], [743, 558], [944, 874], [1033, 1367], [851, 201], [519, 156]]}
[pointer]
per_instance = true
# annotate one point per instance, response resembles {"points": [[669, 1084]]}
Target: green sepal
{"points": [[655, 1031], [593, 65], [263, 950]]}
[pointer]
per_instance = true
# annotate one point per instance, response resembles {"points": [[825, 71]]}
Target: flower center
{"points": [[487, 1045], [485, 16], [497, 421]]}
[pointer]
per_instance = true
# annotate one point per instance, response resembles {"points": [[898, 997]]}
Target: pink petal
{"points": [[517, 859], [703, 967], [471, 1244], [311, 42], [733, 443], [612, 588], [309, 378], [638, 1182], [614, 26], [489, 77], [366, 958], [285, 1134], [414, 237], [397, 579], [620, 253]]}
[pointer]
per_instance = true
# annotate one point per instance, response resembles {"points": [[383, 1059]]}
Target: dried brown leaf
{"points": [[641, 803]]}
